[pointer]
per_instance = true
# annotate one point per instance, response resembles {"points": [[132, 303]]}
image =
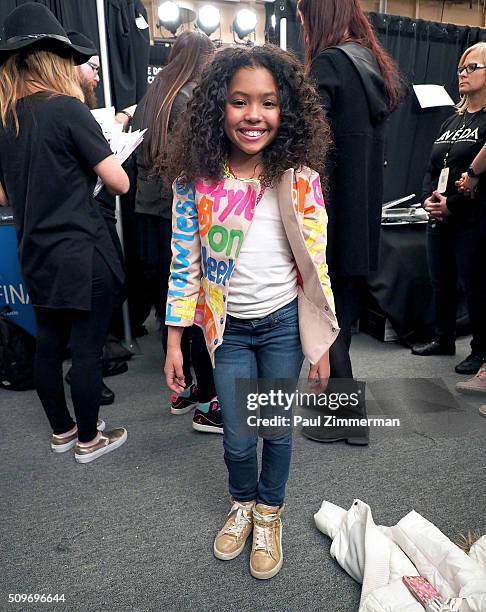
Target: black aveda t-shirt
{"points": [[47, 173], [460, 139]]}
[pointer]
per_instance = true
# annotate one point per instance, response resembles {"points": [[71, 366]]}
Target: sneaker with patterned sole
{"points": [[61, 444], [181, 405], [208, 422], [108, 441]]}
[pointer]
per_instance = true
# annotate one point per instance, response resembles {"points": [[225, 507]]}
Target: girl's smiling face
{"points": [[252, 112]]}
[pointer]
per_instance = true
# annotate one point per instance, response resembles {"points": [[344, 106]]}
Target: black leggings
{"points": [[348, 297], [85, 331]]}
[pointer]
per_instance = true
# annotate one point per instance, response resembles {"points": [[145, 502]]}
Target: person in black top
{"points": [[51, 153], [158, 111], [453, 242], [359, 87]]}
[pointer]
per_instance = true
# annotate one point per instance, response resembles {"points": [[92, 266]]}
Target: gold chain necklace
{"points": [[230, 173]]}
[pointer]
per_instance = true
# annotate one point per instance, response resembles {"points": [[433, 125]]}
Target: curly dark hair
{"points": [[199, 146]]}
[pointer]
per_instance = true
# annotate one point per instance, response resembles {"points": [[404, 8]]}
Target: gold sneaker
{"points": [[61, 444], [230, 541], [266, 553], [108, 442]]}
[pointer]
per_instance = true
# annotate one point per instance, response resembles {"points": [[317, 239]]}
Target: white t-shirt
{"points": [[265, 276]]}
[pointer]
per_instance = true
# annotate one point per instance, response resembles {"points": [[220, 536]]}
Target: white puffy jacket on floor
{"points": [[379, 556]]}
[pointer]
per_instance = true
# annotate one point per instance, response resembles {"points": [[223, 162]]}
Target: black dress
{"points": [[58, 222]]}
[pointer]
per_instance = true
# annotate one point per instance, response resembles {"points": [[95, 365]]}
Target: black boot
{"points": [[107, 395], [471, 364], [434, 347], [114, 368], [330, 429]]}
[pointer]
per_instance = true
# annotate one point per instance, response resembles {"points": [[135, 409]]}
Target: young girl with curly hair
{"points": [[249, 267]]}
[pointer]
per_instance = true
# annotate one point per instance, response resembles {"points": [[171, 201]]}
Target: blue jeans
{"points": [[252, 349]]}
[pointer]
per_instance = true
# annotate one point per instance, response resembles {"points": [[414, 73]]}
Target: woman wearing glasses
{"points": [[452, 234]]}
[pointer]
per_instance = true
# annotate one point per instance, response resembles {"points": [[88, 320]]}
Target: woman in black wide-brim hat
{"points": [[51, 153]]}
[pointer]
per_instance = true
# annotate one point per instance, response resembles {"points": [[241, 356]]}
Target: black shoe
{"points": [[208, 422], [471, 364], [352, 433], [113, 368], [357, 435], [435, 347], [107, 395]]}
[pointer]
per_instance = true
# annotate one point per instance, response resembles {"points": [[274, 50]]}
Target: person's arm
{"points": [[184, 280], [327, 80], [468, 183], [3, 196], [125, 116], [310, 201], [113, 176], [92, 147]]}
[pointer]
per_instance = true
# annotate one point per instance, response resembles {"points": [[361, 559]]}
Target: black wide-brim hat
{"points": [[82, 43], [33, 25]]}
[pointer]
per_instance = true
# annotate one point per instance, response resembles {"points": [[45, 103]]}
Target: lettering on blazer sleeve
{"points": [[315, 230], [185, 268]]}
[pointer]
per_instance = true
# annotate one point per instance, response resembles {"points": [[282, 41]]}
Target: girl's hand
{"points": [[319, 374], [174, 374], [436, 206]]}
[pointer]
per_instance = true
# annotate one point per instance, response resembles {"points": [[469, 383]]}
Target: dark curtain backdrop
{"points": [[128, 46], [426, 52]]}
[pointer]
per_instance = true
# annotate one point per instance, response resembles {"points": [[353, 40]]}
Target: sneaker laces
{"points": [[263, 539], [242, 518]]}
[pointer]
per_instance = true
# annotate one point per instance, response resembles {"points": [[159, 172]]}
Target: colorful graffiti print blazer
{"points": [[210, 222]]}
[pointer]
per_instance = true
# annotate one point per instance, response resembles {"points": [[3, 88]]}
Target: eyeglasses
{"points": [[93, 67], [470, 68]]}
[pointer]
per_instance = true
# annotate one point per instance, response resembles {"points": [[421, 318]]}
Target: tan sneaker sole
{"points": [[228, 556], [269, 574], [461, 388]]}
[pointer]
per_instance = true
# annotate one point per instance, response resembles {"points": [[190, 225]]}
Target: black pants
{"points": [[156, 255], [195, 353], [349, 294], [453, 257], [86, 333]]}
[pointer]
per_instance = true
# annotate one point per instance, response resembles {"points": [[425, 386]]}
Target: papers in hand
{"points": [[123, 144], [429, 96]]}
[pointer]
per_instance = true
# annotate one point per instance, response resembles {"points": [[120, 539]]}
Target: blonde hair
{"points": [[25, 73], [463, 104]]}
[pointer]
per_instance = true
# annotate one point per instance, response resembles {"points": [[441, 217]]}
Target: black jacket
{"points": [[154, 196], [354, 97]]}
